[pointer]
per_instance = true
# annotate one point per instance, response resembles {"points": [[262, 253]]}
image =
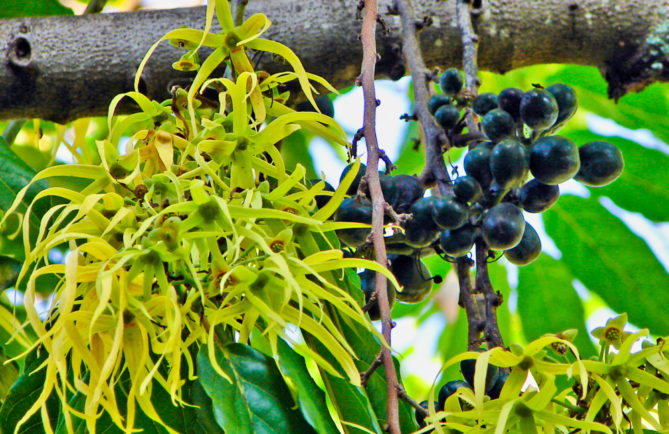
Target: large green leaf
{"points": [[611, 261], [295, 150], [310, 397], [642, 185], [14, 175], [33, 8], [9, 373], [548, 303], [256, 400], [22, 396]]}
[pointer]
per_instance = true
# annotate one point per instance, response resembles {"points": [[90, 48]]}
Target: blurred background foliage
{"points": [[606, 249]]}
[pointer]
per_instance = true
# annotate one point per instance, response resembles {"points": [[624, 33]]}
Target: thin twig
{"points": [[492, 300], [95, 6], [240, 5], [419, 409], [378, 361], [436, 142], [463, 267], [469, 53], [368, 37]]}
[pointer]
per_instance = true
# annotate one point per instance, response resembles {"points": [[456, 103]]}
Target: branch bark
{"points": [[61, 68]]}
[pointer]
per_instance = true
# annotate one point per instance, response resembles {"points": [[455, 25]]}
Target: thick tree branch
{"points": [[378, 203], [61, 68]]}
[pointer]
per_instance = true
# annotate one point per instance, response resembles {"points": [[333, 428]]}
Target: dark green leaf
{"points": [[310, 398], [294, 151], [33, 8], [9, 271], [611, 261], [257, 400], [544, 285], [14, 175], [9, 372], [22, 396], [642, 185]]}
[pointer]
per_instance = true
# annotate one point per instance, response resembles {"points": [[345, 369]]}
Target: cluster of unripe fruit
{"points": [[488, 201]]}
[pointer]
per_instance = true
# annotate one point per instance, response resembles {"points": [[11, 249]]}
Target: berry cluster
{"points": [[515, 165]]}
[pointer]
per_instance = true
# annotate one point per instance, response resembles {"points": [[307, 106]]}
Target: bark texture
{"points": [[62, 68]]}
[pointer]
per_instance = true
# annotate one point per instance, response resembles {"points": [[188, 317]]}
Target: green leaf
{"points": [[14, 175], [22, 396], [9, 271], [611, 261], [310, 397], [33, 8], [257, 400], [642, 185], [543, 285], [294, 151], [9, 373]]}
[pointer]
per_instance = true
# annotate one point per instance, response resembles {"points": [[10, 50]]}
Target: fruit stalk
{"points": [[433, 137], [469, 54], [368, 37], [491, 332]]}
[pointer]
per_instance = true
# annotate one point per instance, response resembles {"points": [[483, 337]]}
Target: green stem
{"points": [[12, 130], [95, 6]]}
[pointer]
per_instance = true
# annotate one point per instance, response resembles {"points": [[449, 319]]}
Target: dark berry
{"points": [[451, 82], [554, 159], [437, 101], [601, 164], [420, 419], [509, 101], [538, 109], [368, 286], [322, 199], [353, 188], [467, 189], [487, 144], [497, 125], [468, 369], [448, 213], [388, 188], [352, 210], [503, 226], [449, 389], [496, 388], [477, 165], [527, 250], [458, 242], [409, 189], [483, 103], [509, 163], [323, 102], [447, 116], [421, 230], [566, 100], [413, 276], [536, 196]]}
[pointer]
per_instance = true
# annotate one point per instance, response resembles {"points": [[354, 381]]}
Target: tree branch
{"points": [[74, 65], [378, 203], [492, 334]]}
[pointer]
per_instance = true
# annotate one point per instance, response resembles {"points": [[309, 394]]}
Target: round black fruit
{"points": [[437, 101], [483, 103], [496, 388], [477, 165], [554, 159], [352, 210], [388, 188], [447, 116], [458, 242], [420, 419], [467, 189], [503, 226], [509, 163], [322, 199], [448, 213], [538, 109], [497, 125], [566, 100], [468, 369], [536, 196], [353, 188], [409, 190], [509, 101], [527, 250], [414, 277], [449, 389], [368, 286], [451, 82], [421, 230], [601, 164], [323, 102]]}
